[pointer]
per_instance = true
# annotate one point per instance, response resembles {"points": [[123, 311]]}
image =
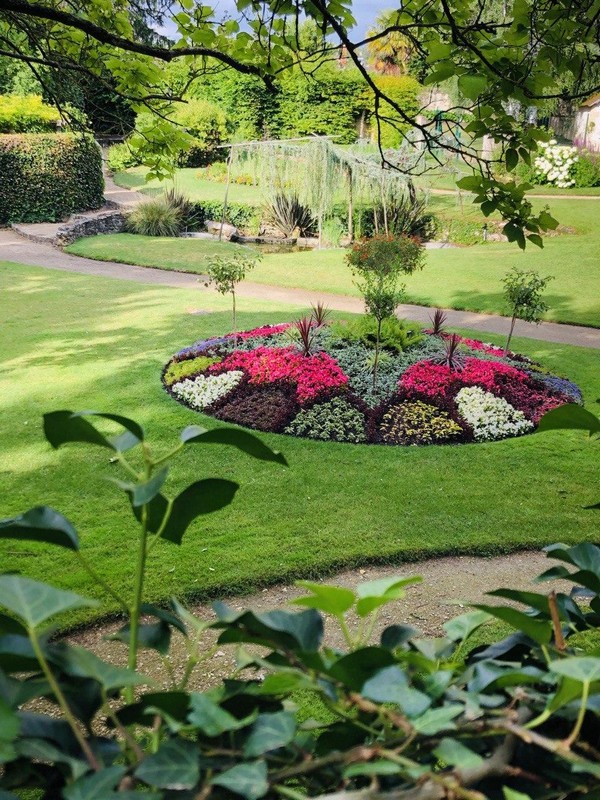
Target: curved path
{"points": [[24, 251]]}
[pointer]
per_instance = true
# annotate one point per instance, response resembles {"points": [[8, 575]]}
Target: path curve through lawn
{"points": [[24, 251]]}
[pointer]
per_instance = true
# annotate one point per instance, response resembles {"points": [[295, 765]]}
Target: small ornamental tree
{"points": [[225, 272], [523, 293], [377, 264]]}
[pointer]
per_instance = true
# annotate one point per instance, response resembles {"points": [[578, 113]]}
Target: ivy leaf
{"points": [[91, 787], [329, 599], [472, 85], [437, 719], [81, 663], [460, 628], [61, 427], [140, 494], [175, 766], [390, 685], [454, 753], [374, 594], [269, 732], [246, 442], [356, 668], [512, 159], [584, 669], [41, 524], [247, 780], [211, 718], [538, 630], [302, 631], [35, 602]]}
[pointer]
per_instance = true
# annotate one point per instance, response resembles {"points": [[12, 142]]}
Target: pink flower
{"points": [[265, 330]]}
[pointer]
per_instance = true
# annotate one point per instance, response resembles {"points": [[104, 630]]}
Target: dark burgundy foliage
{"points": [[306, 331], [438, 321], [263, 408], [320, 314], [453, 356]]}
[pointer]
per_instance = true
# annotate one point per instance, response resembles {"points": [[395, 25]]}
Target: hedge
{"points": [[245, 218], [47, 177], [26, 114]]}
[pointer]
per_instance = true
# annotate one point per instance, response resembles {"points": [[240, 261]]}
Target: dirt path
{"points": [[24, 251], [449, 586]]}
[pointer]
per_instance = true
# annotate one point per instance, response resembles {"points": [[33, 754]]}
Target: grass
{"points": [[73, 341], [465, 278]]}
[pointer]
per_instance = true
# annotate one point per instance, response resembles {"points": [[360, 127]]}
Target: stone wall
{"points": [[82, 225]]}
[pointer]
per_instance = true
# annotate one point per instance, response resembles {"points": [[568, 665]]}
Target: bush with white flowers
{"points": [[204, 390], [490, 417], [555, 164]]}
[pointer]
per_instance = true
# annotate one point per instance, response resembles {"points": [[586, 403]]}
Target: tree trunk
{"points": [[229, 160], [510, 333], [376, 362]]}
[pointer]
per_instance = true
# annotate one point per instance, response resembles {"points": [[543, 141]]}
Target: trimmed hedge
{"points": [[246, 218], [47, 177]]}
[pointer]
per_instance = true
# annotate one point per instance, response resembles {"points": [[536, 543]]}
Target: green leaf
{"points": [[202, 497], [46, 751], [512, 159], [472, 85], [81, 663], [379, 767], [247, 780], [41, 524], [151, 636], [569, 417], [374, 594], [244, 441], [329, 599], [284, 629], [61, 427], [538, 630], [390, 685], [547, 221], [454, 753], [10, 726], [175, 766], [437, 719], [356, 668], [35, 602], [512, 794], [174, 704], [460, 628], [269, 732], [141, 494], [584, 669], [396, 635], [211, 718], [93, 787], [536, 239], [470, 183]]}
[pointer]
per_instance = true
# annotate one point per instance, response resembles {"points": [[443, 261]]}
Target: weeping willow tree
{"points": [[324, 176]]}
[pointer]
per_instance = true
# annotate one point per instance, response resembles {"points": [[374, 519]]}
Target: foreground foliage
{"points": [[407, 717]]}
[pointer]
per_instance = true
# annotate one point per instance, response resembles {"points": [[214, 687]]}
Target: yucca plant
{"points": [[288, 214], [452, 356], [305, 331]]}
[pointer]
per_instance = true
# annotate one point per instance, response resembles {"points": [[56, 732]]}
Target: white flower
{"points": [[204, 390], [490, 417]]}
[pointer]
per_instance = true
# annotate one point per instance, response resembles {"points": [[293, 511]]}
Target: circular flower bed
{"points": [[317, 381]]}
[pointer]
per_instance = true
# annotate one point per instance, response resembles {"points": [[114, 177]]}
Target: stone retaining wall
{"points": [[81, 225]]}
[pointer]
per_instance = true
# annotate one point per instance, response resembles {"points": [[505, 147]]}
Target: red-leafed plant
{"points": [[452, 356], [320, 314], [438, 320], [306, 334]]}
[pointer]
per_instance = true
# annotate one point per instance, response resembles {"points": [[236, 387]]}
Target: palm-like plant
{"points": [[390, 53], [288, 214]]}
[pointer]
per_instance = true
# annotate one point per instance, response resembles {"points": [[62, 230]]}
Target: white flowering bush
{"points": [[555, 164], [204, 390], [490, 417]]}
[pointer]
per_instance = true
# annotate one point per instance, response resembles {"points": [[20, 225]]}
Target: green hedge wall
{"points": [[47, 177], [246, 218]]}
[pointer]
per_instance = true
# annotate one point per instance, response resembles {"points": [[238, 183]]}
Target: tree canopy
{"points": [[529, 52]]}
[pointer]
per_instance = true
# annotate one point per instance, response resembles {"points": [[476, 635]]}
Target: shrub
{"points": [[415, 422], [263, 408], [47, 177], [586, 171], [178, 370], [188, 212], [395, 335], [336, 420], [156, 217], [286, 213], [555, 164], [208, 125], [27, 114], [490, 417], [245, 218], [121, 157], [204, 390], [461, 231]]}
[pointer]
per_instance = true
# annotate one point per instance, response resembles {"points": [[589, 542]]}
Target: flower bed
{"points": [[318, 383]]}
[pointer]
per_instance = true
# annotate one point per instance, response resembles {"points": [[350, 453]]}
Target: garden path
{"points": [[449, 585], [24, 251]]}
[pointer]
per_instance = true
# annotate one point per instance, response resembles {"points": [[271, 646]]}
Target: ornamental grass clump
{"points": [[490, 417]]}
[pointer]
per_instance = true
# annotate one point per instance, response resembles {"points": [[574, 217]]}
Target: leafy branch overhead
{"points": [[394, 715], [498, 55]]}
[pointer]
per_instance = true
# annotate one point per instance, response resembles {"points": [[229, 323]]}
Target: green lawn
{"points": [[466, 278], [73, 341]]}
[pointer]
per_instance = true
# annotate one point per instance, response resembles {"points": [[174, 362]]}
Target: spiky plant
{"points": [[437, 322], [187, 209], [452, 356], [288, 214], [320, 314], [155, 218], [305, 331]]}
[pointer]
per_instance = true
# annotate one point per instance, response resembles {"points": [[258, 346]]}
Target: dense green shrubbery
{"points": [[47, 177], [586, 171], [336, 420], [27, 114], [404, 91], [246, 218], [121, 157], [395, 334]]}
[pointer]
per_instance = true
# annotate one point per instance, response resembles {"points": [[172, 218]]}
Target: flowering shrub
{"points": [[555, 163], [266, 380], [313, 375], [335, 420], [204, 390], [490, 417], [415, 422]]}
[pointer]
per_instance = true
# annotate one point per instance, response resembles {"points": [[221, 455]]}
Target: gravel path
{"points": [[23, 251]]}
